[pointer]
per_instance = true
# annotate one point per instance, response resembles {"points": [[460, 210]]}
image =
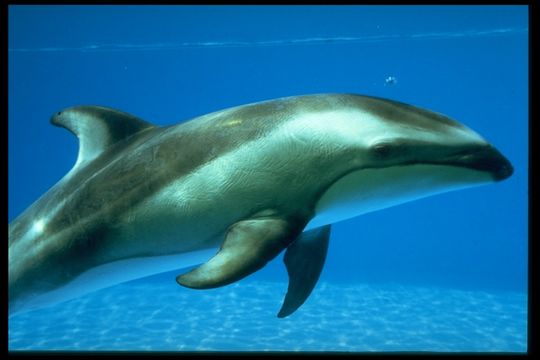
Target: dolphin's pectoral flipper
{"points": [[248, 246], [97, 128], [304, 260]]}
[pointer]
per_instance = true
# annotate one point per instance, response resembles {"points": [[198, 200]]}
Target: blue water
{"points": [[357, 317], [445, 273]]}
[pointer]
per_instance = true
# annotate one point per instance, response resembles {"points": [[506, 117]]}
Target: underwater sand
{"points": [[242, 317]]}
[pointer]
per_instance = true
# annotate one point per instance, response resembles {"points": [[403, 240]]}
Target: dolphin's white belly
{"points": [[118, 272], [370, 190]]}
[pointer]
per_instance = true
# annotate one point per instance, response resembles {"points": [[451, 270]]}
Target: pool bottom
{"points": [[163, 316]]}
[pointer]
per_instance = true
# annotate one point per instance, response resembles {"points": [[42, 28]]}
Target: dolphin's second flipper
{"points": [[304, 260], [248, 246]]}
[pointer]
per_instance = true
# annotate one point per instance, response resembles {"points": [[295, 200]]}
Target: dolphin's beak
{"points": [[484, 158]]}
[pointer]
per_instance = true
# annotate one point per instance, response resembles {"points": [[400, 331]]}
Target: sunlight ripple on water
{"points": [[242, 317]]}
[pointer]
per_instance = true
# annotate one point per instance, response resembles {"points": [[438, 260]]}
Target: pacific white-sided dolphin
{"points": [[255, 180]]}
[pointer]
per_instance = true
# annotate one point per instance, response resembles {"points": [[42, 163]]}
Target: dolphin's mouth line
{"points": [[485, 158]]}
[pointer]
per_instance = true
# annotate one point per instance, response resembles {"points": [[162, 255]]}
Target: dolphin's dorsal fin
{"points": [[97, 128]]}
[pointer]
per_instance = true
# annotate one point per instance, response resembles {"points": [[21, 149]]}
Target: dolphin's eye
{"points": [[382, 150]]}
